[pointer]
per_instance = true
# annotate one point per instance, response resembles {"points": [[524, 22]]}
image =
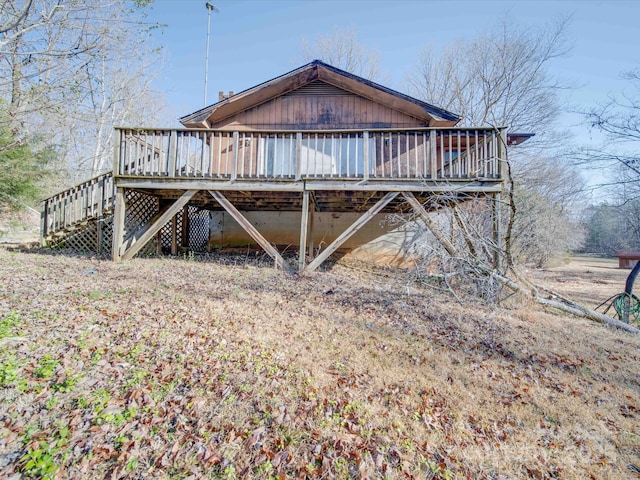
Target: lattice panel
{"points": [[198, 234], [166, 232], [107, 234], [82, 239], [141, 209], [198, 229]]}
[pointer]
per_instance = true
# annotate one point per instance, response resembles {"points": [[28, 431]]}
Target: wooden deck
{"points": [[337, 160], [268, 170], [366, 171]]}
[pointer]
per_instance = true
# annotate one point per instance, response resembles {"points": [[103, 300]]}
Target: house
{"points": [[314, 158]]}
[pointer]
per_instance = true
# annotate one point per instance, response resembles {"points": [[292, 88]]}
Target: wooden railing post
{"points": [[234, 158], [173, 153], [101, 201], [365, 155], [117, 151], [44, 223], [298, 159], [434, 153]]}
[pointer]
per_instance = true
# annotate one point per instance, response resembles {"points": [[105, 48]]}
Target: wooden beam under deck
{"points": [[424, 215], [118, 223], [349, 232], [304, 230], [251, 230], [452, 186]]}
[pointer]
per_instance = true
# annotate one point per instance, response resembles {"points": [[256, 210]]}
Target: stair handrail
{"points": [[81, 202]]}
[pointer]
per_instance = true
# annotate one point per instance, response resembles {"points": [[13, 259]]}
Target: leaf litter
{"points": [[162, 368]]}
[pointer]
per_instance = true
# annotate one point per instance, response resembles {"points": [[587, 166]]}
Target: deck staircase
{"points": [[80, 217]]}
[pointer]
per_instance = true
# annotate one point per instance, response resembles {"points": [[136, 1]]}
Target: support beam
{"points": [[304, 230], [118, 224], [44, 223], [313, 207], [419, 209], [251, 230], [156, 224], [174, 235], [185, 227], [349, 232]]}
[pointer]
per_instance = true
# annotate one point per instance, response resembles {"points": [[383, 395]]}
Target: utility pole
{"points": [[210, 8]]}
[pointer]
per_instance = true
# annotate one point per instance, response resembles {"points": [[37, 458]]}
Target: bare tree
{"points": [[73, 69], [619, 120], [499, 78], [343, 50], [616, 224]]}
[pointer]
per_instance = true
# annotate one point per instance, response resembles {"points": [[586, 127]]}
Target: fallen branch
{"points": [[530, 290], [564, 304]]}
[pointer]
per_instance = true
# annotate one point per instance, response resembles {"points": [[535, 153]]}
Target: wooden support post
{"points": [[118, 224], [154, 226], [419, 209], [312, 209], [304, 229], [99, 235], [185, 227], [174, 235], [44, 223], [251, 230], [163, 205], [349, 232]]}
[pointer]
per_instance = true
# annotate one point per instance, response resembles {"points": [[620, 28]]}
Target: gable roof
{"points": [[323, 72]]}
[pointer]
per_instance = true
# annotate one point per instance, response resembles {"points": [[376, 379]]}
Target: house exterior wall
{"points": [[283, 228], [319, 111], [320, 106]]}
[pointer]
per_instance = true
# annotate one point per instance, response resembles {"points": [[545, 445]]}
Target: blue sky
{"points": [[255, 40]]}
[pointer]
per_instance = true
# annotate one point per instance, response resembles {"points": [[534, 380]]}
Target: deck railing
{"points": [[430, 154], [87, 200]]}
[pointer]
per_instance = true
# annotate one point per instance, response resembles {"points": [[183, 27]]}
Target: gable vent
{"points": [[317, 88]]}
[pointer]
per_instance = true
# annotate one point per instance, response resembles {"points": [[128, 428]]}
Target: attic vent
{"points": [[318, 88]]}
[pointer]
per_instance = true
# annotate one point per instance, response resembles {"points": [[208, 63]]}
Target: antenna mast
{"points": [[210, 8]]}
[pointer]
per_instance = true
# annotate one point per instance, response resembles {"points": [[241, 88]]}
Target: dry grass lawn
{"points": [[163, 368]]}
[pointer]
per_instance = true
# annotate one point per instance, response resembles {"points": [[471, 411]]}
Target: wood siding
{"points": [[319, 112]]}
